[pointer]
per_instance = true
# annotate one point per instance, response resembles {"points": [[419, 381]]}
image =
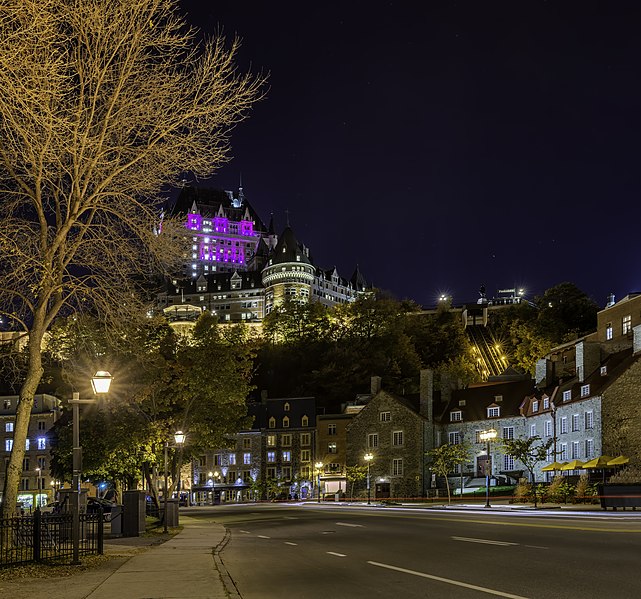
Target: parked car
{"points": [[95, 503], [52, 507]]}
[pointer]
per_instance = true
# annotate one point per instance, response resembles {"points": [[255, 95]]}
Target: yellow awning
{"points": [[553, 466], [600, 462], [573, 465], [619, 461]]}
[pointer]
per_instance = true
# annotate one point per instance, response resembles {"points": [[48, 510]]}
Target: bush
{"points": [[559, 490], [522, 492], [582, 489]]}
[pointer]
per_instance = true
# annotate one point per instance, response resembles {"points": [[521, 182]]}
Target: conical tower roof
{"points": [[288, 249]]}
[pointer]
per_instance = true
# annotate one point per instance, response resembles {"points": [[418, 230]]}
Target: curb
{"points": [[228, 583]]}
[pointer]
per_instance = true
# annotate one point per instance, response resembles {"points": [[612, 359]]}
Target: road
{"points": [[313, 551]]}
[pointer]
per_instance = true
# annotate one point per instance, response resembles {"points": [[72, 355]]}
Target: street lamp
{"points": [[179, 439], [100, 383], [368, 457], [488, 436], [318, 466]]}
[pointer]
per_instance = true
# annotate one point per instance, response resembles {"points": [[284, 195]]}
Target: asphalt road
{"points": [[309, 551]]}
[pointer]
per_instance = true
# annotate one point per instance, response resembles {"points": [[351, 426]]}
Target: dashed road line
{"points": [[350, 525], [485, 541], [457, 583], [246, 532], [288, 543], [336, 554], [263, 537]]}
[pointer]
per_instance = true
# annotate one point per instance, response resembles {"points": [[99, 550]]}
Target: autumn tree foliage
{"points": [[103, 103]]}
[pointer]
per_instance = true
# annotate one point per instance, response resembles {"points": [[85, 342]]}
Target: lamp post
{"points": [[179, 439], [318, 466], [100, 382], [38, 470], [488, 436], [368, 457]]}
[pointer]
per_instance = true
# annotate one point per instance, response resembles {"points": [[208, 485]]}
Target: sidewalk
{"points": [[184, 566]]}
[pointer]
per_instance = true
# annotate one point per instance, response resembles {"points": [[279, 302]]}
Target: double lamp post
{"points": [[488, 436]]}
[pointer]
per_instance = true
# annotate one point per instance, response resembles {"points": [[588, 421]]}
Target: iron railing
{"points": [[47, 538]]}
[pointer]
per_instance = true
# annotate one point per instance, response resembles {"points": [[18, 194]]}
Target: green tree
{"points": [[565, 313], [355, 474], [104, 102], [529, 452], [445, 458]]}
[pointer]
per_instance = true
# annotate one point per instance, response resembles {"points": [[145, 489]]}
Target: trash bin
{"points": [[134, 506], [172, 512], [116, 520]]}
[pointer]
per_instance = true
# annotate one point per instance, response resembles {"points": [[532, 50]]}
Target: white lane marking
{"points": [[485, 541], [449, 581], [245, 532], [288, 543], [336, 554], [348, 524], [263, 537], [535, 547]]}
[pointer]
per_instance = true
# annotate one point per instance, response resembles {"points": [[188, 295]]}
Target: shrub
{"points": [[582, 489], [522, 492]]}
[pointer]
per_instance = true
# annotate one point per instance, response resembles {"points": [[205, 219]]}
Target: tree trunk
{"points": [[447, 484], [21, 427]]}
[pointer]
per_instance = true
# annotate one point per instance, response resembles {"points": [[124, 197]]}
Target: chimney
{"points": [[375, 385], [610, 301], [544, 372], [426, 393], [588, 359]]}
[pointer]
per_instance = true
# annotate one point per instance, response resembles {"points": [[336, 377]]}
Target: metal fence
{"points": [[47, 538]]}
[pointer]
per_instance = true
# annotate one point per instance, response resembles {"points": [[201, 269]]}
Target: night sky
{"points": [[445, 145]]}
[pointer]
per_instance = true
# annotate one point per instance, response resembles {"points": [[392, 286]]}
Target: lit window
{"points": [[604, 370], [232, 459], [271, 440], [331, 448], [626, 324], [8, 444], [27, 443], [287, 456], [608, 331], [247, 458], [271, 456], [8, 427]]}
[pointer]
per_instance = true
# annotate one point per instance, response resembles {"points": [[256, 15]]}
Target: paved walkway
{"points": [[185, 566]]}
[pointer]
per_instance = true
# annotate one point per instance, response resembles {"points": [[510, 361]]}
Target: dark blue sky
{"points": [[445, 145]]}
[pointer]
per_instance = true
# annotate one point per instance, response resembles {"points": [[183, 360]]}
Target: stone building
{"points": [[36, 485]]}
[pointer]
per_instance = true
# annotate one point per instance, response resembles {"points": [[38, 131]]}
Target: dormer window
{"points": [[286, 422], [456, 416], [272, 422], [286, 407], [498, 398], [493, 411], [535, 406], [604, 370], [567, 395], [585, 390], [461, 403], [546, 403], [304, 421]]}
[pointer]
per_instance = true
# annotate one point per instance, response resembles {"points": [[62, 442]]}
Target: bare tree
{"points": [[103, 104]]}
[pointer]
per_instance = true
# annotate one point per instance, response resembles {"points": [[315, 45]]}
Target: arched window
{"points": [[272, 422], [304, 421], [286, 422], [286, 406]]}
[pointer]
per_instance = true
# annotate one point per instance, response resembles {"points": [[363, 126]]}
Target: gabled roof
{"points": [[216, 202]]}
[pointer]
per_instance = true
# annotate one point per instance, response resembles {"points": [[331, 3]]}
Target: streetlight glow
{"points": [[368, 457], [101, 381], [488, 436]]}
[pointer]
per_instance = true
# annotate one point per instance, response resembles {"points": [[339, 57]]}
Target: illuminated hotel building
{"points": [[239, 269]]}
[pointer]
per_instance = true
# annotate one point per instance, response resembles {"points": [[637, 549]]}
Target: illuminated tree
{"points": [[445, 458], [529, 452], [104, 103]]}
